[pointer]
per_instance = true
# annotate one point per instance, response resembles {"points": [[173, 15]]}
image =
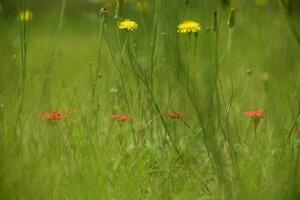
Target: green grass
{"points": [[74, 59]]}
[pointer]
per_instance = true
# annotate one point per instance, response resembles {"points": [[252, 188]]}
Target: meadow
{"points": [[150, 99]]}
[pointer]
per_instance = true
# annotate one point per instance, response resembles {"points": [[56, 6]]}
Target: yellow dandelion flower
{"points": [[189, 27], [25, 16], [128, 25]]}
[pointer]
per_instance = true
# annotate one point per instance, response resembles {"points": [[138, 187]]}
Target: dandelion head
{"points": [[189, 27], [128, 24], [25, 16]]}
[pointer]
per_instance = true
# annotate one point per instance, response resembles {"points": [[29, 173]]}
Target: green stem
{"points": [[284, 7], [23, 46], [156, 106], [95, 97], [48, 71], [118, 66]]}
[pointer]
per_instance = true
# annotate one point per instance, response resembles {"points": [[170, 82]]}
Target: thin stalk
{"points": [[23, 49], [156, 106], [48, 71], [152, 54], [153, 40], [284, 7], [117, 11], [120, 72], [95, 95], [118, 65]]}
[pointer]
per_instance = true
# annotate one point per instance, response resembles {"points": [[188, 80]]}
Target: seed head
{"points": [[104, 11]]}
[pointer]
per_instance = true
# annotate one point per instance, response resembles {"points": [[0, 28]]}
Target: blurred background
{"points": [[262, 35]]}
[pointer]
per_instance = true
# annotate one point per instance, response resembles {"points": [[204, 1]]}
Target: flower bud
{"points": [[215, 23], [103, 11], [231, 19]]}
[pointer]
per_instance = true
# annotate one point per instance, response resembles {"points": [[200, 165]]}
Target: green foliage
{"points": [[74, 60]]}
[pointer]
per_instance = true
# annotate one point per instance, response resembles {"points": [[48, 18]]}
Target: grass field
{"points": [[89, 110]]}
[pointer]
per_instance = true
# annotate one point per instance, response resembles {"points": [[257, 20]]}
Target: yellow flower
{"points": [[25, 16], [189, 27], [128, 25]]}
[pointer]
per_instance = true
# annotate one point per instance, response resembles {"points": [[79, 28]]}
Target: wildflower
{"points": [[256, 116], [53, 116], [189, 27], [128, 25], [25, 16], [121, 117], [259, 114], [175, 115]]}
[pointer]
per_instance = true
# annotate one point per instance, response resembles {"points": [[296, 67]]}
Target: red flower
{"points": [[175, 115], [53, 116], [257, 115], [121, 117]]}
